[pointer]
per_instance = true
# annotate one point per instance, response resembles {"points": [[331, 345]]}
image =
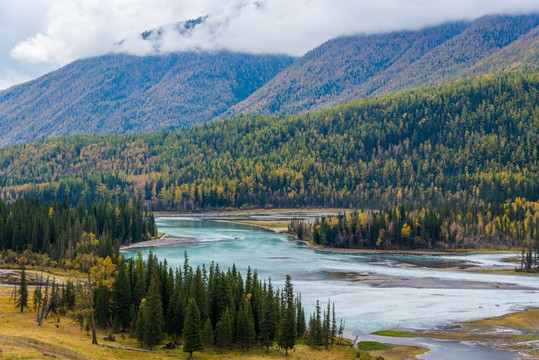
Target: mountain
{"points": [[350, 67], [473, 141], [122, 93]]}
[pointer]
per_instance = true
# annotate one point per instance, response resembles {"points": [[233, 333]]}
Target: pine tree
{"points": [[207, 334], [192, 336], [224, 331], [245, 330], [301, 327], [102, 311], [315, 328], [139, 322], [153, 314], [121, 297], [175, 315], [22, 299], [268, 322], [326, 327], [333, 326], [287, 333]]}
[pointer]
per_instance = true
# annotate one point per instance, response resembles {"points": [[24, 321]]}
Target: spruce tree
{"points": [[207, 334], [139, 322], [245, 331], [153, 314], [287, 333], [268, 321], [22, 298], [301, 327], [224, 331], [121, 297], [326, 327], [333, 326], [192, 336]]}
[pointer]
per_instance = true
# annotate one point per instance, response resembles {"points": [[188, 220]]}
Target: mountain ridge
{"points": [[126, 93], [435, 54]]}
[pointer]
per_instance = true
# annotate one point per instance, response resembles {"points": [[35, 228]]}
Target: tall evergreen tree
{"points": [[192, 336], [121, 297], [153, 314], [224, 331], [22, 296], [287, 333], [245, 330], [207, 334], [268, 321]]}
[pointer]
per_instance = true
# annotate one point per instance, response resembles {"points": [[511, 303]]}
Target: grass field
{"points": [[60, 337]]}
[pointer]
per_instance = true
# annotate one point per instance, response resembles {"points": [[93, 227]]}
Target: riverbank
{"points": [[517, 332], [162, 241]]}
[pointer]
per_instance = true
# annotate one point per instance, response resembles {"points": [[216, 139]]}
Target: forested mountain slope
{"points": [[473, 141], [121, 93], [350, 67]]}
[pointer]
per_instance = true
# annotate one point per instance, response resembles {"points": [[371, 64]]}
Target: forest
{"points": [[54, 233], [472, 144], [206, 308], [472, 140], [496, 226]]}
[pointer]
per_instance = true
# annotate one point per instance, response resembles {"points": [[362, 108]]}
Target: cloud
{"points": [[72, 29]]}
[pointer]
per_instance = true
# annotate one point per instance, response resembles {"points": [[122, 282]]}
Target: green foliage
{"points": [[287, 327], [224, 331], [58, 230], [208, 337], [269, 316], [392, 333], [192, 335], [152, 316], [22, 291], [245, 327], [121, 296], [472, 142]]}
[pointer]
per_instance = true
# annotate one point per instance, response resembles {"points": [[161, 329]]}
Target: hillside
{"points": [[121, 93], [351, 67], [474, 140]]}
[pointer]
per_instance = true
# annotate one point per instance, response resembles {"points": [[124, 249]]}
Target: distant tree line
{"points": [[453, 226], [28, 227]]}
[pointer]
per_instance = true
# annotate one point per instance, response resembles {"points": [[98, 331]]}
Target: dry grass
{"points": [[525, 320], [399, 352], [267, 224], [62, 338]]}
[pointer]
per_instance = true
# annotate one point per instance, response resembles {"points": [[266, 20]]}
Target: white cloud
{"points": [[72, 29]]}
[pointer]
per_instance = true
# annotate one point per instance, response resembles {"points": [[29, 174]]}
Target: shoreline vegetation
{"points": [[279, 225]]}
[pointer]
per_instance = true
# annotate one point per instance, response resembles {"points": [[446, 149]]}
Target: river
{"points": [[372, 292]]}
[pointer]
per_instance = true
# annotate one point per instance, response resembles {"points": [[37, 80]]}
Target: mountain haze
{"points": [[350, 67]]}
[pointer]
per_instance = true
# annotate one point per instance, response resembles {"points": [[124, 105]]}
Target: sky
{"points": [[38, 36]]}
